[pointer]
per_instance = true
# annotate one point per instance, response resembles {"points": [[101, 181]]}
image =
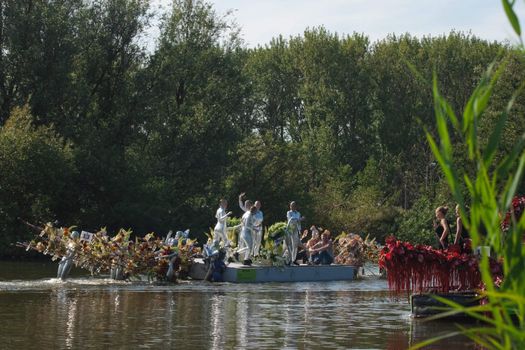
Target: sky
{"points": [[261, 20]]}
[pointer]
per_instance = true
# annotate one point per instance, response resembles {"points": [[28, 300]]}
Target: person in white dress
{"points": [[220, 232]]}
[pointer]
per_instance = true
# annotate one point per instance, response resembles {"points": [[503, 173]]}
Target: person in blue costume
{"points": [[218, 267]]}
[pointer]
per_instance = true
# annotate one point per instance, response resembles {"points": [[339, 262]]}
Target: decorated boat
{"points": [[272, 265], [177, 256]]}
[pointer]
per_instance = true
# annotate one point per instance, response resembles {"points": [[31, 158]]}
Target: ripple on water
{"points": [[94, 313]]}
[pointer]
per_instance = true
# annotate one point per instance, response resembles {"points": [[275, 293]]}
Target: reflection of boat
{"points": [[239, 273], [424, 305]]}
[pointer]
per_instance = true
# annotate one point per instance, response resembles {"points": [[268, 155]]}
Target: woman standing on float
{"points": [[220, 232], [442, 227]]}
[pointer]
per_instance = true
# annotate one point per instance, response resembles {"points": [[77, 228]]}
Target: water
{"points": [[38, 311]]}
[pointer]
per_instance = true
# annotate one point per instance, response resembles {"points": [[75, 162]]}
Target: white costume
{"points": [[246, 239], [292, 240], [257, 228], [220, 232], [257, 232]]}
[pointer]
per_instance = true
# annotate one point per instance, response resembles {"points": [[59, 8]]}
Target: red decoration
{"points": [[518, 206], [422, 269]]}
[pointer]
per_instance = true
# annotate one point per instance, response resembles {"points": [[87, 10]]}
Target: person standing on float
{"points": [[220, 232], [294, 219], [257, 228], [442, 227], [247, 204], [246, 237]]}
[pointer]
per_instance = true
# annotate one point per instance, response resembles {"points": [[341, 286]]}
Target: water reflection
{"points": [[92, 314]]}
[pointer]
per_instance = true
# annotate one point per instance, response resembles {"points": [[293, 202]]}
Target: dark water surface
{"points": [[38, 311]]}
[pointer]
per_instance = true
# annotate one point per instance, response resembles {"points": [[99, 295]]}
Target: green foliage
{"points": [[233, 221], [271, 172], [416, 223], [271, 254], [277, 230], [37, 176]]}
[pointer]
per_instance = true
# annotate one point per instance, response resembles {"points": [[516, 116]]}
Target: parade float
{"points": [[272, 264], [153, 258], [452, 274]]}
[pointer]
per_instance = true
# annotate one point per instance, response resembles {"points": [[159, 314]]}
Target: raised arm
{"points": [[459, 230], [241, 204], [446, 232]]}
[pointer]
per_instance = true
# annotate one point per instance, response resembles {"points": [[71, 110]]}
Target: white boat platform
{"points": [[238, 273]]}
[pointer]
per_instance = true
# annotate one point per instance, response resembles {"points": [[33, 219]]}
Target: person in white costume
{"points": [[220, 232], [257, 228], [246, 237], [293, 229]]}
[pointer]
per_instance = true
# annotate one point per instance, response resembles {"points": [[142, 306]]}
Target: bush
{"points": [[415, 224]]}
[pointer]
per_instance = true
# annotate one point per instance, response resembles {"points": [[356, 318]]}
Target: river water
{"points": [[38, 311]]}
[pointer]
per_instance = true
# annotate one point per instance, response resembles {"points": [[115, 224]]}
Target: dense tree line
{"points": [[96, 130]]}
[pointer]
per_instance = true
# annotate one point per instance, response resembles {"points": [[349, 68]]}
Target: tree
{"points": [[37, 176]]}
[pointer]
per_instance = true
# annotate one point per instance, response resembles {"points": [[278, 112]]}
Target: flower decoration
{"points": [[516, 210], [422, 269], [148, 255], [351, 249]]}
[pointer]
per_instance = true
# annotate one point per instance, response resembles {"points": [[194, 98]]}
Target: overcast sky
{"points": [[262, 20]]}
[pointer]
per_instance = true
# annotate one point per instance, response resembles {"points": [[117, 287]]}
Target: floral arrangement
{"points": [[148, 255], [276, 232], [420, 268], [270, 254], [518, 206], [351, 249]]}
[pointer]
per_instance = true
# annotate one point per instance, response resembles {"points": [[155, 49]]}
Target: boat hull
{"points": [[238, 273], [424, 305]]}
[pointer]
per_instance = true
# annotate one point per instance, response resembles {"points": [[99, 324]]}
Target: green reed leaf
{"points": [[511, 15]]}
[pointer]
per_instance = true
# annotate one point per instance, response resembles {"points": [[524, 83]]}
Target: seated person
{"points": [[304, 254], [322, 252]]}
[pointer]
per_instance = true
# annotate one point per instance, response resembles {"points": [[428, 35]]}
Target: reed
{"points": [[490, 190]]}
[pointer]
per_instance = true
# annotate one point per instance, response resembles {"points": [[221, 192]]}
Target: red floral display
{"points": [[422, 269], [518, 206]]}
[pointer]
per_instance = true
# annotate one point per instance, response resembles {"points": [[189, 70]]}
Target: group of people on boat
{"points": [[251, 228], [443, 231], [317, 250]]}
